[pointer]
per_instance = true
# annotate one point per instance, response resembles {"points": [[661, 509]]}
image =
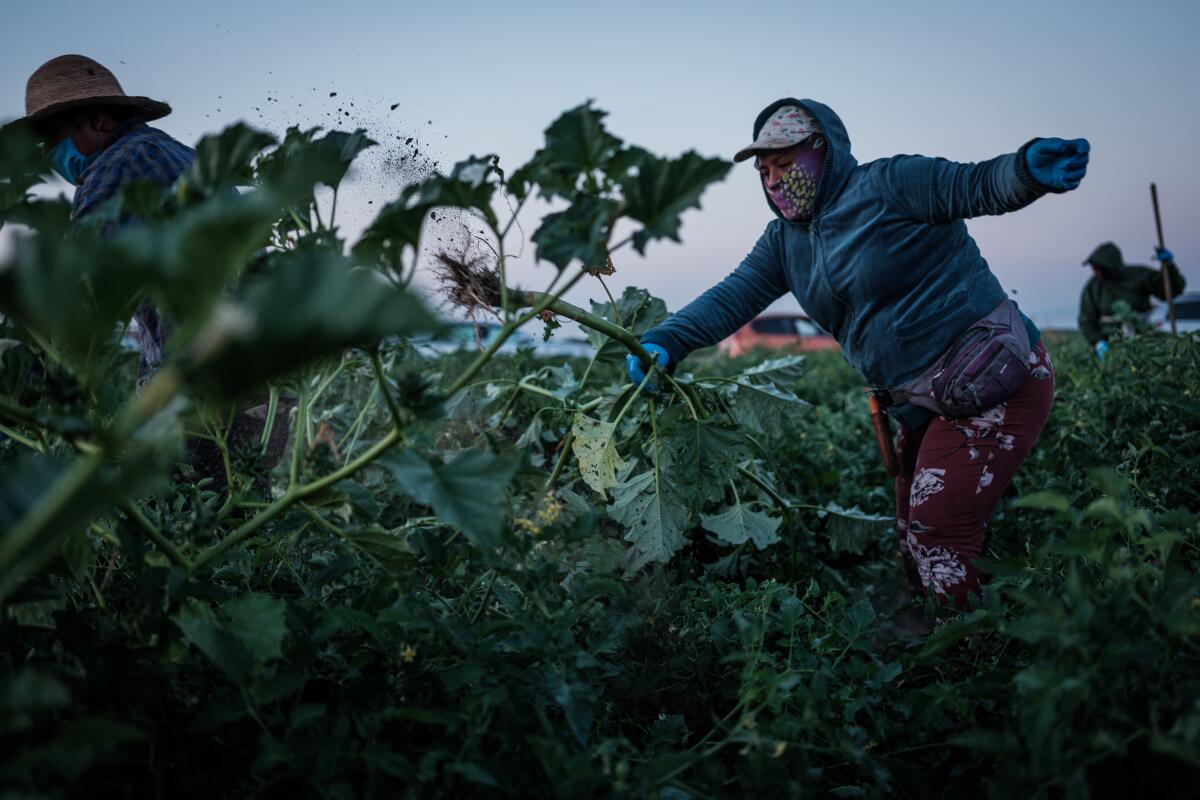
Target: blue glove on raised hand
{"points": [[633, 365], [1164, 255], [1058, 163], [1101, 349]]}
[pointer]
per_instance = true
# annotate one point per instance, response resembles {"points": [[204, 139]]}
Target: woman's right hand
{"points": [[1058, 163], [633, 365]]}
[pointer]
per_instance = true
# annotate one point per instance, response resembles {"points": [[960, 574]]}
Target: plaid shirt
{"points": [[139, 153]]}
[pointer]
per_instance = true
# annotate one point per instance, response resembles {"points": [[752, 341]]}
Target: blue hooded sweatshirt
{"points": [[885, 264]]}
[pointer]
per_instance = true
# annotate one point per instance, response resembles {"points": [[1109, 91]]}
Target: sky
{"points": [[953, 78]]}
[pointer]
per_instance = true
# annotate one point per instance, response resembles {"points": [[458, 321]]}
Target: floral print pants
{"points": [[952, 472]]}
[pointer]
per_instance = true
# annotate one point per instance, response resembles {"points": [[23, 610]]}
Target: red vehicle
{"points": [[778, 332]]}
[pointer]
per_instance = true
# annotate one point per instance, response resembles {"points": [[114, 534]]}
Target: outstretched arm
{"points": [[740, 297], [936, 190]]}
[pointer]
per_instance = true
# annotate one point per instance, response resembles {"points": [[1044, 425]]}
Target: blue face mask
{"points": [[66, 160]]}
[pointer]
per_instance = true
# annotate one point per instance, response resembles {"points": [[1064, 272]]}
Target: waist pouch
{"points": [[983, 367]]}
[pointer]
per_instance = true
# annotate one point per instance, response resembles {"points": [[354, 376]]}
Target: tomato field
{"points": [[501, 574]]}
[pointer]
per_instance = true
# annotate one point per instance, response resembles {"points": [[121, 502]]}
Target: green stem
{"points": [[487, 594], [377, 366], [352, 435], [328, 379], [632, 397], [17, 437], [17, 412], [298, 439], [272, 410], [588, 320], [60, 494], [222, 443], [155, 535], [568, 441], [501, 266], [529, 387], [612, 301], [766, 487], [295, 495]]}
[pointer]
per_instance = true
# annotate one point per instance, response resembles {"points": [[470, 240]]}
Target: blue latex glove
{"points": [[1164, 255], [1058, 163], [634, 367], [1101, 349]]}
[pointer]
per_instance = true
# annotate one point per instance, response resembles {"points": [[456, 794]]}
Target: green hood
{"points": [[1108, 258]]}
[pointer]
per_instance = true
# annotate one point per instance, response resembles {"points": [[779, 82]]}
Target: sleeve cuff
{"points": [[1026, 177]]}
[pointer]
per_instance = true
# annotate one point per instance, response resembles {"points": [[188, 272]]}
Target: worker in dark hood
{"points": [[1112, 281], [878, 254]]}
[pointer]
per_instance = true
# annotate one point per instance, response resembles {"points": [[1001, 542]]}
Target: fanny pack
{"points": [[982, 368]]}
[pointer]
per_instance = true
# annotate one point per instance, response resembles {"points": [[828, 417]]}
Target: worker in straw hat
{"points": [[96, 137]]}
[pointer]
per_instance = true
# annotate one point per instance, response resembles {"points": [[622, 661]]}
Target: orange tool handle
{"points": [[883, 433]]}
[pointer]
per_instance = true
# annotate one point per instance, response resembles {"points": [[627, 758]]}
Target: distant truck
{"points": [[1187, 314], [778, 332]]}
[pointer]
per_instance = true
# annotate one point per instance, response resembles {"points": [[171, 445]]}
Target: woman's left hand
{"points": [[1058, 163]]}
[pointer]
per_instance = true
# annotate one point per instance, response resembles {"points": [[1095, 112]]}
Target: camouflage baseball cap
{"points": [[788, 126]]}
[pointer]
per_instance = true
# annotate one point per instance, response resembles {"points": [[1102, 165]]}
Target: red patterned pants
{"points": [[952, 473]]}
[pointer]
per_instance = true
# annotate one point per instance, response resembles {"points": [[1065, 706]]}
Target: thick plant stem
{"points": [[295, 495], [588, 320], [60, 494]]}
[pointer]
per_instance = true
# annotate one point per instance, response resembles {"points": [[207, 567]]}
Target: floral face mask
{"points": [[795, 193]]}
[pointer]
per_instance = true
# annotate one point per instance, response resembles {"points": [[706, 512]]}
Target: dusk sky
{"points": [[963, 80]]}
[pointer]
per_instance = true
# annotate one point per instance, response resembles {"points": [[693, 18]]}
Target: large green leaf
{"points": [[661, 189], [225, 160], [391, 551], [740, 523], [469, 185], [579, 233], [704, 454], [258, 621], [469, 492], [655, 515], [310, 306], [599, 461], [61, 497], [188, 261], [22, 166], [239, 641], [636, 309], [851, 530], [762, 395], [303, 160], [577, 146], [395, 229]]}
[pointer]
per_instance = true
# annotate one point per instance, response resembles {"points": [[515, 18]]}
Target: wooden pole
{"points": [[1166, 273]]}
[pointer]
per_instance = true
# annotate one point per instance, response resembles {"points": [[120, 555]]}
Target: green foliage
{"points": [[466, 492], [334, 566]]}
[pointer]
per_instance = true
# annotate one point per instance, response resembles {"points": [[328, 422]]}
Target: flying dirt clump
{"points": [[467, 276]]}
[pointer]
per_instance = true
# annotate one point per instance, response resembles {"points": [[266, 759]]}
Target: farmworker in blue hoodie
{"points": [[878, 254], [97, 139]]}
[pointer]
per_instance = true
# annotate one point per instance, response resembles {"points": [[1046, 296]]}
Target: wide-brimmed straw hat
{"points": [[73, 81]]}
